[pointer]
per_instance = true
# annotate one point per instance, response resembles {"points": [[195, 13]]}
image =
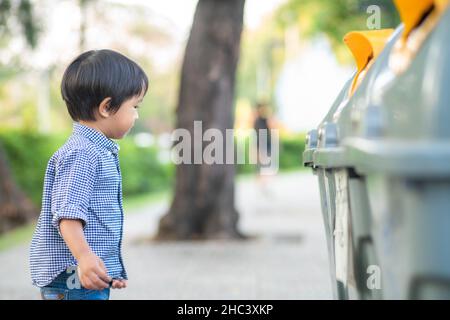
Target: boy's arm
{"points": [[92, 270]]}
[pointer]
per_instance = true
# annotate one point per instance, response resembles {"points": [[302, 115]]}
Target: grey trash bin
{"points": [[382, 157]]}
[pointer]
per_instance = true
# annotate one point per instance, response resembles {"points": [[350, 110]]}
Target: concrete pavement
{"points": [[285, 259]]}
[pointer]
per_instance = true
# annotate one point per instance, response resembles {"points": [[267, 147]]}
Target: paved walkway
{"points": [[286, 259]]}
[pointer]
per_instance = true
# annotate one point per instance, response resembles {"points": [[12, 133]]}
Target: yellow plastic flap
{"points": [[412, 11], [366, 45]]}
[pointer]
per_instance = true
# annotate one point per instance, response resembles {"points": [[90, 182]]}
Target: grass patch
{"points": [[134, 202], [17, 236]]}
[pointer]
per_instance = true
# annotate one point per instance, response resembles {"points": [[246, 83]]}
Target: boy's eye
{"points": [[136, 107]]}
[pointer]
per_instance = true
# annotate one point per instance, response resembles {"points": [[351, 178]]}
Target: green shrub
{"points": [[291, 150], [290, 153], [141, 170], [28, 154]]}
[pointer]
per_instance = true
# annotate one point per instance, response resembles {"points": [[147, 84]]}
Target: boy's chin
{"points": [[120, 135], [123, 135]]}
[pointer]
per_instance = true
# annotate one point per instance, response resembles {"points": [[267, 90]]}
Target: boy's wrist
{"points": [[83, 253]]}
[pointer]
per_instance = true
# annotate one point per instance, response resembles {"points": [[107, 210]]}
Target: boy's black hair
{"points": [[98, 74]]}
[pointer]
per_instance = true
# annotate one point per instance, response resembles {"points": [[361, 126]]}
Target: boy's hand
{"points": [[91, 269], [92, 272], [119, 284]]}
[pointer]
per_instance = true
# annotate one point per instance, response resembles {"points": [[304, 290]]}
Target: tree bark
{"points": [[15, 207], [203, 204]]}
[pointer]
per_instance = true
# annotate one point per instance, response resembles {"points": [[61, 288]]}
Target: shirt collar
{"points": [[96, 136]]}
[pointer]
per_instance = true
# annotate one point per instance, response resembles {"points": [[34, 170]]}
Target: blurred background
{"points": [[291, 58]]}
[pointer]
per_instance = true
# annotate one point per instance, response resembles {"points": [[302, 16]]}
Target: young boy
{"points": [[76, 249]]}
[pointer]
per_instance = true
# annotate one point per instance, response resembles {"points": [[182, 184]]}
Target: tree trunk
{"points": [[203, 204], [15, 208]]}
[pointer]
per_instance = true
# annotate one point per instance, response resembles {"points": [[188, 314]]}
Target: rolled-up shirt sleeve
{"points": [[73, 186]]}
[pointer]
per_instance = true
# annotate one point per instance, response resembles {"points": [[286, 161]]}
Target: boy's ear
{"points": [[103, 108]]}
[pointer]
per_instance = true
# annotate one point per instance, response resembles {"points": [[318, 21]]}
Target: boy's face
{"points": [[117, 125]]}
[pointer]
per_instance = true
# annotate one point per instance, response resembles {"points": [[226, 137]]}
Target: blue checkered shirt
{"points": [[82, 181]]}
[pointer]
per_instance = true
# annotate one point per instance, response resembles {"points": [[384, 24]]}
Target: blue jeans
{"points": [[61, 289]]}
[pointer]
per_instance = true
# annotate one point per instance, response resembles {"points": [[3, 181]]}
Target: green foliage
{"points": [[28, 154], [290, 153], [142, 172], [291, 150]]}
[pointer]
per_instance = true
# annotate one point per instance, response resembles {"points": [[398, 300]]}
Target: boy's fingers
{"points": [[97, 280], [100, 284], [86, 283], [105, 278], [119, 284], [103, 275]]}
